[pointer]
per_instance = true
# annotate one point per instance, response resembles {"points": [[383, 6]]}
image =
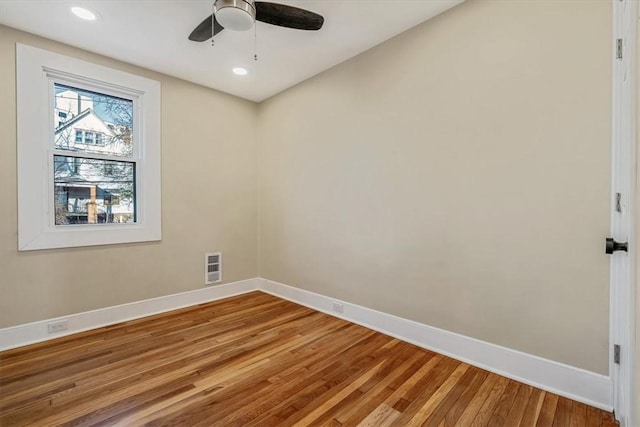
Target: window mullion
{"points": [[84, 155]]}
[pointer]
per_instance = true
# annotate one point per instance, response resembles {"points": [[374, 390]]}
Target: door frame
{"points": [[623, 180]]}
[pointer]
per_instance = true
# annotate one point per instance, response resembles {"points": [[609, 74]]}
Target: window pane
{"points": [[92, 122], [92, 191]]}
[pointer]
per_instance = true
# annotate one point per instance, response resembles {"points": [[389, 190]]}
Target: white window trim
{"points": [[36, 228]]}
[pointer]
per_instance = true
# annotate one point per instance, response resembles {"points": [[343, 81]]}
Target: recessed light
{"points": [[84, 13], [239, 71]]}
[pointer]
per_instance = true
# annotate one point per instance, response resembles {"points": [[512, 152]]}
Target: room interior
{"points": [[448, 184]]}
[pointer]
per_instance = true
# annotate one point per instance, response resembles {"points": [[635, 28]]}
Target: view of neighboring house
{"points": [[94, 183]]}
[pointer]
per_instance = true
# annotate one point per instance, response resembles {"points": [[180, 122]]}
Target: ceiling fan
{"points": [[240, 15]]}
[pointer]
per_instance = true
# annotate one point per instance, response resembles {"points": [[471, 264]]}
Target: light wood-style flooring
{"points": [[256, 360]]}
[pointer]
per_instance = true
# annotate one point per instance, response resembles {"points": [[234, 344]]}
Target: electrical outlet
{"points": [[337, 307], [54, 327]]}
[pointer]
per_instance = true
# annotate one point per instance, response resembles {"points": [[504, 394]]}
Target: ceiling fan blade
{"points": [[203, 31], [287, 16]]}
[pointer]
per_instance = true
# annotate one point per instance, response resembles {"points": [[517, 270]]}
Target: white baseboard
{"points": [[575, 383], [30, 333]]}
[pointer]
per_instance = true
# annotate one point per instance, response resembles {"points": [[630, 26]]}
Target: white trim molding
{"points": [[575, 383], [31, 333]]}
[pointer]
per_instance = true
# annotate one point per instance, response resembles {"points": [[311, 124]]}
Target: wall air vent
{"points": [[212, 268]]}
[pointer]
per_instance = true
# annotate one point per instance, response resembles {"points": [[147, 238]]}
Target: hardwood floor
{"points": [[256, 360]]}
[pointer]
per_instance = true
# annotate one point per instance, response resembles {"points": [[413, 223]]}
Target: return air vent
{"points": [[212, 268]]}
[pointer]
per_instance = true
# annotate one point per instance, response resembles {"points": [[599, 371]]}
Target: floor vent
{"points": [[212, 268]]}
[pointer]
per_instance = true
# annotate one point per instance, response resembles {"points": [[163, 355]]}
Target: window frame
{"points": [[37, 70]]}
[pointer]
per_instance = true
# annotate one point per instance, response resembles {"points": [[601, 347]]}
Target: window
{"points": [[94, 178], [74, 161], [88, 137], [89, 193], [62, 116]]}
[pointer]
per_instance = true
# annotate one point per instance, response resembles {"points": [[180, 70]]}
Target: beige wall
{"points": [[457, 175], [208, 204]]}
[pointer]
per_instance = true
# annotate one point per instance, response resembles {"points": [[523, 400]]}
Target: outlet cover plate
{"points": [[53, 327]]}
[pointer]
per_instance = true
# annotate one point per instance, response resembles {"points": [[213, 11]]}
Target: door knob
{"points": [[613, 246]]}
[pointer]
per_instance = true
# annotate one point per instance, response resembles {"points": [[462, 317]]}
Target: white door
{"points": [[620, 246]]}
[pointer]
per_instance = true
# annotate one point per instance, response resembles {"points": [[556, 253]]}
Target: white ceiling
{"points": [[153, 34]]}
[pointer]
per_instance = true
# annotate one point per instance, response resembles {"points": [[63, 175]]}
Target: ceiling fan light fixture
{"points": [[236, 15]]}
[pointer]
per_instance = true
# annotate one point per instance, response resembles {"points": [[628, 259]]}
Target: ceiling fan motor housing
{"points": [[238, 15]]}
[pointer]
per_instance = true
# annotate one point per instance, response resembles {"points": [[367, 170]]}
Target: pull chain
{"points": [[213, 25], [255, 41]]}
